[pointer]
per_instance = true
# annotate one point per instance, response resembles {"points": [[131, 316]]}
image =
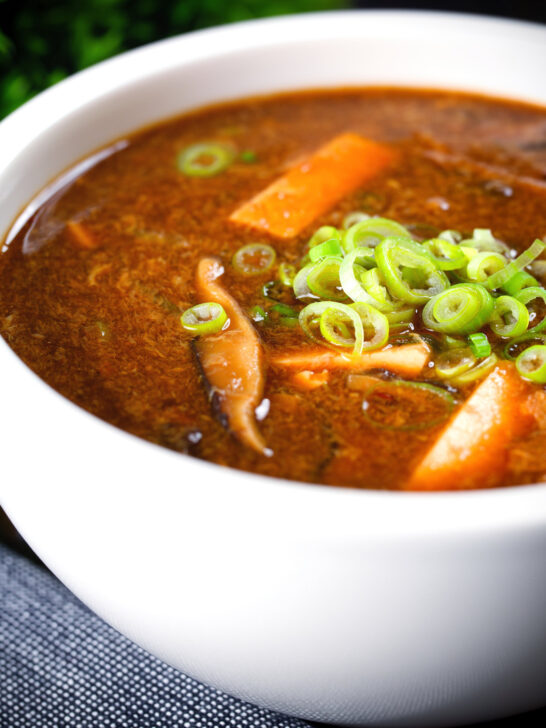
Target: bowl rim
{"points": [[447, 512]]}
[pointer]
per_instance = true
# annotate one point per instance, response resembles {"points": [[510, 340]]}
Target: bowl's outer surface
{"points": [[336, 605]]}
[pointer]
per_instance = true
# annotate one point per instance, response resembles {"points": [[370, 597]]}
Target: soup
{"points": [[331, 287]]}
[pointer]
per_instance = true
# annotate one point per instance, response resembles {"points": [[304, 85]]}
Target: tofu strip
{"points": [[231, 361]]}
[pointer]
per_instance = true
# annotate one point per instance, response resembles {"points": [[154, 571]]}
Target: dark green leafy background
{"points": [[42, 41]]}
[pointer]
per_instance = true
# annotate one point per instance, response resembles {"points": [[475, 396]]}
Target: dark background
{"points": [[43, 41]]}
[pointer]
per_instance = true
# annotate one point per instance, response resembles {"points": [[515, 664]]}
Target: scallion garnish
{"points": [[479, 345], [205, 318]]}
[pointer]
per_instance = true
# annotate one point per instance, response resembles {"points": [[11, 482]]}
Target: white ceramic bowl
{"points": [[337, 605]]}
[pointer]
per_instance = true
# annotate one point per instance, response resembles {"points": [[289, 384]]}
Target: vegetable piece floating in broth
{"points": [[231, 360], [408, 360], [473, 444], [311, 188]]}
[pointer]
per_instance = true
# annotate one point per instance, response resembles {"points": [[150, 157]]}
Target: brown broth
{"points": [[101, 325]]}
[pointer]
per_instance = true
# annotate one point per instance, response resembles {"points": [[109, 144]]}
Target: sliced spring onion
{"points": [[452, 236], [300, 285], [373, 283], [205, 159], [479, 345], [447, 255], [476, 372], [337, 325], [248, 156], [483, 265], [287, 273], [375, 324], [509, 318], [462, 309], [497, 280], [323, 279], [399, 316], [452, 342], [401, 405], [204, 318], [328, 249], [283, 310], [254, 259], [350, 274], [409, 270], [369, 233], [515, 346], [518, 282], [258, 314], [484, 240], [352, 218], [454, 362], [531, 364], [326, 232], [527, 296]]}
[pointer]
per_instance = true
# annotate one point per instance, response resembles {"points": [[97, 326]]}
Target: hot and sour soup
{"points": [[330, 287]]}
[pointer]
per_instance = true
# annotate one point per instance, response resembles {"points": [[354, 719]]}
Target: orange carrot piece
{"points": [[407, 360], [81, 236], [312, 187], [231, 360], [472, 449], [310, 380]]}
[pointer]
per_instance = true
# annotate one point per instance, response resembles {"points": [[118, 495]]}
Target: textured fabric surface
{"points": [[63, 667]]}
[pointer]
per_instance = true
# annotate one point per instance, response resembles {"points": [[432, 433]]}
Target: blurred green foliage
{"points": [[42, 41]]}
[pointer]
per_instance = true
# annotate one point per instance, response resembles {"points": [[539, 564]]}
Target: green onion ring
{"points": [[300, 286], [510, 317], [483, 265], [528, 337], [352, 218], [217, 157], [502, 276], [310, 319], [375, 324], [323, 279], [452, 236], [287, 273], [369, 233], [330, 248], [476, 372], [526, 296], [518, 282], [326, 232], [454, 362], [399, 257], [390, 387], [531, 364], [254, 259], [479, 345], [348, 278], [446, 255], [462, 309], [483, 239], [205, 318]]}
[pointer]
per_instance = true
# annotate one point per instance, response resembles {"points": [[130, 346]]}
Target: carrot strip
{"points": [[472, 449], [407, 360], [231, 361], [81, 236], [310, 380], [312, 187]]}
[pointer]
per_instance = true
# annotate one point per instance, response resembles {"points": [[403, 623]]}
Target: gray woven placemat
{"points": [[63, 667]]}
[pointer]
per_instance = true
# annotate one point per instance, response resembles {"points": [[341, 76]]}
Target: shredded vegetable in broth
{"points": [[330, 287]]}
